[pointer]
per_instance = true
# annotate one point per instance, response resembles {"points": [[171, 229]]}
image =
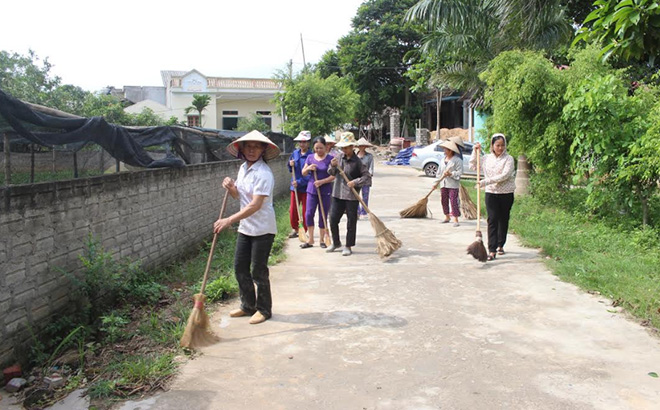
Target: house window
{"points": [[265, 116], [263, 113], [193, 120], [230, 113], [229, 123]]}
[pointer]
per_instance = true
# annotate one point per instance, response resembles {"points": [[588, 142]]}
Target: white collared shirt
{"points": [[256, 180]]}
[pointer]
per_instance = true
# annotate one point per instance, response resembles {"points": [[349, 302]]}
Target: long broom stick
{"points": [[198, 332], [420, 209], [477, 248], [327, 239], [386, 242], [302, 235]]}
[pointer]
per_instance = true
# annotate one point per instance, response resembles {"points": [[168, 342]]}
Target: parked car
{"points": [[428, 158]]}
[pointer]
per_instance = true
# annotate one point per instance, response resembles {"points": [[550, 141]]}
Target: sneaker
{"points": [[257, 318], [456, 224], [346, 252], [237, 313], [332, 248]]}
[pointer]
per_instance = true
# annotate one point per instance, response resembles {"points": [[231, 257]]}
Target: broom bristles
{"points": [[468, 208], [477, 249], [198, 330], [419, 210], [386, 242]]}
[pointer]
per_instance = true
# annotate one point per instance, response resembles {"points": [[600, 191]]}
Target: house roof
{"points": [[167, 75]]}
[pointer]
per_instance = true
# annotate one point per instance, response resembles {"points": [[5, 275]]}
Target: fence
{"points": [[153, 216]]}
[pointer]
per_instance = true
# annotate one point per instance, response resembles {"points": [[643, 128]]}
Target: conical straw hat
{"points": [[271, 152], [450, 145]]}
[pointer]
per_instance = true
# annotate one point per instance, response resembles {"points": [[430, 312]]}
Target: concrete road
{"points": [[428, 328]]}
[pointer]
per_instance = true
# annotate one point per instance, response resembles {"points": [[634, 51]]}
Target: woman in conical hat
{"points": [[343, 200], [368, 161], [451, 170], [257, 228], [299, 181]]}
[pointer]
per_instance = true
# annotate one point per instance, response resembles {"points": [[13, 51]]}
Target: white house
{"points": [[231, 99]]}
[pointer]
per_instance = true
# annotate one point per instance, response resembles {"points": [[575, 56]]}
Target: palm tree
{"points": [[473, 32], [199, 103]]}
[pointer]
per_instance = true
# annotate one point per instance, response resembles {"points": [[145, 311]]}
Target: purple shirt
{"points": [[321, 172]]}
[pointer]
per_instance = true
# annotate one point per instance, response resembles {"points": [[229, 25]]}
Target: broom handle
{"points": [[479, 190], [295, 193], [215, 239], [318, 192], [341, 171], [435, 186]]}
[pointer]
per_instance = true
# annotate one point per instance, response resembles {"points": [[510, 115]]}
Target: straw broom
{"points": [[420, 209], [198, 331], [328, 241], [386, 242], [477, 248], [468, 208], [302, 235]]}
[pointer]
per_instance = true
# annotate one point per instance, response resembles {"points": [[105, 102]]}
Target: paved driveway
{"points": [[429, 328]]}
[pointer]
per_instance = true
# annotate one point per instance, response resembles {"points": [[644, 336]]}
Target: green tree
{"points": [[470, 33], [316, 104], [199, 104], [28, 77], [252, 122], [626, 29], [372, 55]]}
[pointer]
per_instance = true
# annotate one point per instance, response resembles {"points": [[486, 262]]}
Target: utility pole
{"points": [[303, 51]]}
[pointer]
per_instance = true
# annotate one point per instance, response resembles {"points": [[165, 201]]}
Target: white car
{"points": [[428, 158]]}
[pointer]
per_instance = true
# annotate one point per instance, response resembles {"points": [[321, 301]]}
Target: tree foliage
{"points": [[199, 104], [626, 29], [372, 55], [252, 122], [470, 33], [317, 104]]}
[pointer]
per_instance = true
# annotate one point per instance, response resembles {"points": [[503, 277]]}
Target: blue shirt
{"points": [[299, 162]]}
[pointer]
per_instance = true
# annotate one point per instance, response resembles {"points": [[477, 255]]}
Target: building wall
{"points": [[247, 107], [159, 109], [179, 102], [141, 93], [151, 216]]}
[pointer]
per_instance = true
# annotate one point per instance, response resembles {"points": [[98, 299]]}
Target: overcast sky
{"points": [[93, 44]]}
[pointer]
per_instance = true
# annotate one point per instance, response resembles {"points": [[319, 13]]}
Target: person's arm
{"points": [[473, 158], [251, 208], [364, 176], [230, 186], [371, 165], [334, 163], [304, 178]]}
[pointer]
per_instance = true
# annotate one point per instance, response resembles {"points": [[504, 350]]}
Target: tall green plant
{"points": [[199, 104]]}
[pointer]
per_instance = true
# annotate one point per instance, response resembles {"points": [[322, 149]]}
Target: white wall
{"points": [[247, 106]]}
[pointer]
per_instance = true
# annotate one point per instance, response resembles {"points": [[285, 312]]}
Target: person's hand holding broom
{"points": [[477, 248]]}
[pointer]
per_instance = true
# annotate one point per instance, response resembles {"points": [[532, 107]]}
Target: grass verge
{"points": [[620, 265], [598, 257], [131, 349]]}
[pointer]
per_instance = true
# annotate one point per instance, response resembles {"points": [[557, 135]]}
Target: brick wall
{"points": [[152, 216]]}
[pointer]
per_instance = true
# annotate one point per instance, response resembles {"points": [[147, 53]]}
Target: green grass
{"points": [[622, 266], [593, 254]]}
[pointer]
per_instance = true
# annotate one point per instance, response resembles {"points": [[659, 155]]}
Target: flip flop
{"points": [[306, 245]]}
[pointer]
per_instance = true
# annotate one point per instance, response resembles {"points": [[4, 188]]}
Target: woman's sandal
{"points": [[323, 245], [306, 245], [491, 257], [500, 251]]}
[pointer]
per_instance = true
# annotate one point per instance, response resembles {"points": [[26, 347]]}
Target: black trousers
{"points": [[499, 210], [337, 209], [254, 250]]}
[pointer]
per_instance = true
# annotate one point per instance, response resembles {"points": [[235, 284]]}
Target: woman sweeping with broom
{"points": [[499, 181], [254, 189], [450, 173], [318, 191], [343, 199]]}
